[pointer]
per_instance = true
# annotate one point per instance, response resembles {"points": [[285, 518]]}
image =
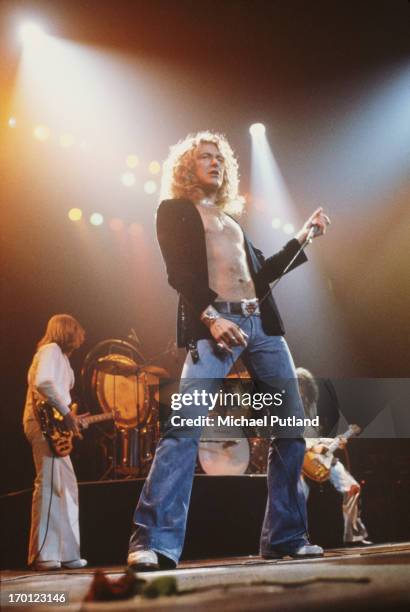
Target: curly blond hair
{"points": [[179, 178]]}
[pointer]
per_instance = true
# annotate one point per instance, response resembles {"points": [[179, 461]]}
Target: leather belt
{"points": [[244, 307]]}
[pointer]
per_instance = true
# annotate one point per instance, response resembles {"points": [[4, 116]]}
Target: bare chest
{"points": [[229, 274], [220, 229]]}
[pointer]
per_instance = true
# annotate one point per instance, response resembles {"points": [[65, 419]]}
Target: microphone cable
{"points": [[312, 232]]}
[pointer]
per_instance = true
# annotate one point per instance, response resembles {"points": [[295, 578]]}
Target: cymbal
{"points": [[118, 365], [156, 371]]}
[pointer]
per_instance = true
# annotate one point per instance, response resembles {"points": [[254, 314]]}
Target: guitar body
{"points": [[315, 468], [59, 439]]}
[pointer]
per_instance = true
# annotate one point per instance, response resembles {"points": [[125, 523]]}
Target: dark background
{"points": [[308, 70]]}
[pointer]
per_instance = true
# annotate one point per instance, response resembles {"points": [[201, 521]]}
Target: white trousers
{"points": [[54, 533], [342, 480]]}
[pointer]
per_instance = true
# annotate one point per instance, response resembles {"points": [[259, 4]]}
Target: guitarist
{"points": [[54, 535], [355, 532]]}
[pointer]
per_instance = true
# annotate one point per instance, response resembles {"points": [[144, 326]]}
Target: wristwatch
{"points": [[209, 316]]}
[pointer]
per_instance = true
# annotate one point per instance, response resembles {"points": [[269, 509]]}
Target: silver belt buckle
{"points": [[250, 307]]}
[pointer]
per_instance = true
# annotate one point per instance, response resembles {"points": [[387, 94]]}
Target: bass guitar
{"points": [[59, 438], [316, 466]]}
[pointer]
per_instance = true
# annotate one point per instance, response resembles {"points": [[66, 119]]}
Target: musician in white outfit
{"points": [[54, 535], [355, 532]]}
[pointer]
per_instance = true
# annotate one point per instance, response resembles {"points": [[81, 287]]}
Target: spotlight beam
{"points": [[257, 129], [31, 33]]}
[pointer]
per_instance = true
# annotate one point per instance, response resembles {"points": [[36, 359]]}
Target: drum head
{"points": [[111, 383], [126, 395], [227, 457]]}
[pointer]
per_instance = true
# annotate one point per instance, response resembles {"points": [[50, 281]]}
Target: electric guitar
{"points": [[316, 466], [59, 438]]}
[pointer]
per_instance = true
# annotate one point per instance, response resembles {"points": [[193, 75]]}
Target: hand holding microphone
{"points": [[314, 227]]}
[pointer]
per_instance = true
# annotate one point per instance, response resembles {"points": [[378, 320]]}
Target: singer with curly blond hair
{"points": [[225, 311]]}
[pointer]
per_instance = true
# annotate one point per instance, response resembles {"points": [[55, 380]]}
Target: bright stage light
{"points": [[132, 161], [41, 133], [154, 167], [31, 34], [289, 228], [276, 223], [12, 122], [66, 140], [257, 129], [75, 214], [128, 179], [96, 219], [150, 187]]}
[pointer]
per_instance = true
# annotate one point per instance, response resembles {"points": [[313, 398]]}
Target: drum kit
{"points": [[230, 451], [118, 380]]}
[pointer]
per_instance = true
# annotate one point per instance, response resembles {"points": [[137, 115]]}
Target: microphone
{"points": [[313, 232]]}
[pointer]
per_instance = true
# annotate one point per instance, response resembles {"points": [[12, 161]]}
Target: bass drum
{"points": [[111, 391], [218, 456]]}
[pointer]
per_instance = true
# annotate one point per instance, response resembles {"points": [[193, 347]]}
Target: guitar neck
{"points": [[97, 418], [335, 444]]}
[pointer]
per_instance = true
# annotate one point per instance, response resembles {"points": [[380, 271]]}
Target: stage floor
{"points": [[371, 578]]}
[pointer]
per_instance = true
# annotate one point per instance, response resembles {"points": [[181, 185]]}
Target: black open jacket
{"points": [[181, 237]]}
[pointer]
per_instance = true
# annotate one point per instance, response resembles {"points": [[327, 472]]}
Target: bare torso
{"points": [[228, 269]]}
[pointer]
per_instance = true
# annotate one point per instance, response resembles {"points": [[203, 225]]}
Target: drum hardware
{"points": [[259, 449], [117, 365], [156, 371], [224, 457], [231, 457], [135, 448], [120, 379], [117, 377], [233, 450]]}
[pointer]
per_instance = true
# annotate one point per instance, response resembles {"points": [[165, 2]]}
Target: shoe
{"points": [[45, 566], [308, 551], [75, 564], [357, 543], [143, 561]]}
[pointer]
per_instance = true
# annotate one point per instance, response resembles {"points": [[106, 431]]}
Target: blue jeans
{"points": [[161, 513]]}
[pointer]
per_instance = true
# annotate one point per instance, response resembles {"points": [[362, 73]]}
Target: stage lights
{"points": [[150, 187], [75, 214], [132, 161], [41, 133], [276, 223], [32, 34], [289, 228], [257, 129], [154, 167], [12, 122], [96, 219], [128, 179]]}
